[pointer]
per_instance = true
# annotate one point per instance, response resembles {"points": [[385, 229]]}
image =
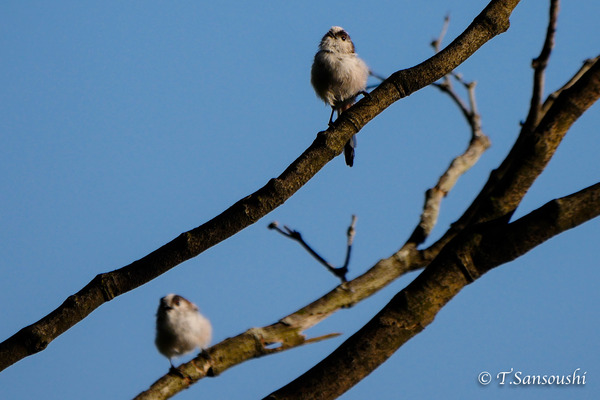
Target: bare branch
{"points": [[529, 156], [434, 196], [350, 235], [465, 259], [485, 240], [437, 43], [479, 143], [295, 235], [288, 331], [470, 112], [539, 65], [492, 21], [251, 344], [407, 259], [447, 87], [587, 64], [339, 272]]}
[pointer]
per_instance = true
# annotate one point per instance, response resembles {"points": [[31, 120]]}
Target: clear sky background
{"points": [[124, 124]]}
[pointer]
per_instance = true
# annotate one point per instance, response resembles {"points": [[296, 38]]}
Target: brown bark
{"points": [[482, 239], [493, 20], [463, 260]]}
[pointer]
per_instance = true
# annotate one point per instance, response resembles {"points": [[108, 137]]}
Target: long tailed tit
{"points": [[180, 328], [338, 75]]}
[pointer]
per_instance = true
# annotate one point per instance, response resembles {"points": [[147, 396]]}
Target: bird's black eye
{"points": [[343, 37]]}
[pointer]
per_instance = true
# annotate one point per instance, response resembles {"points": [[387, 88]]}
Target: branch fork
{"points": [[339, 272]]}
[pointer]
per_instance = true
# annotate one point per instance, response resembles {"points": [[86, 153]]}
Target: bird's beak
{"points": [[164, 305]]}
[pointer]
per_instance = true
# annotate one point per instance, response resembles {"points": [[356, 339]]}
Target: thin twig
{"points": [[339, 272], [350, 234], [437, 43], [447, 87], [459, 165], [539, 65]]}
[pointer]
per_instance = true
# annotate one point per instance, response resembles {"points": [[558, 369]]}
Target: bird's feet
{"points": [[175, 371]]}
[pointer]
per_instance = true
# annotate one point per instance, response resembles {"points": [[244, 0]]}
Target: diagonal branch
{"points": [[530, 154], [465, 259], [232, 351], [493, 20], [288, 331], [459, 260]]}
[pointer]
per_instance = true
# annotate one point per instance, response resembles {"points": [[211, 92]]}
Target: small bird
{"points": [[180, 328], [338, 75]]}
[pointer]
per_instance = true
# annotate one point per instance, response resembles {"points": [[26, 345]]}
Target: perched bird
{"points": [[338, 75], [180, 328]]}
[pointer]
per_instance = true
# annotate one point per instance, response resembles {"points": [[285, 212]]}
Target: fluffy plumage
{"points": [[180, 328], [338, 75]]}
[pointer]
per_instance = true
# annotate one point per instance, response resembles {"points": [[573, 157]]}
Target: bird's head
{"points": [[337, 40]]}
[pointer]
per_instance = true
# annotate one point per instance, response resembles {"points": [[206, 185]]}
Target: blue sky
{"points": [[124, 124]]}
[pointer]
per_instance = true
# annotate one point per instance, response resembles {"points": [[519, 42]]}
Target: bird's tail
{"points": [[349, 151], [351, 144]]}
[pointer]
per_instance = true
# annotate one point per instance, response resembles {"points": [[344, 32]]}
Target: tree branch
{"points": [[530, 154], [288, 331], [433, 196], [493, 20], [350, 233], [230, 352], [339, 272], [466, 258], [479, 143], [539, 65], [437, 43], [461, 259], [587, 64]]}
